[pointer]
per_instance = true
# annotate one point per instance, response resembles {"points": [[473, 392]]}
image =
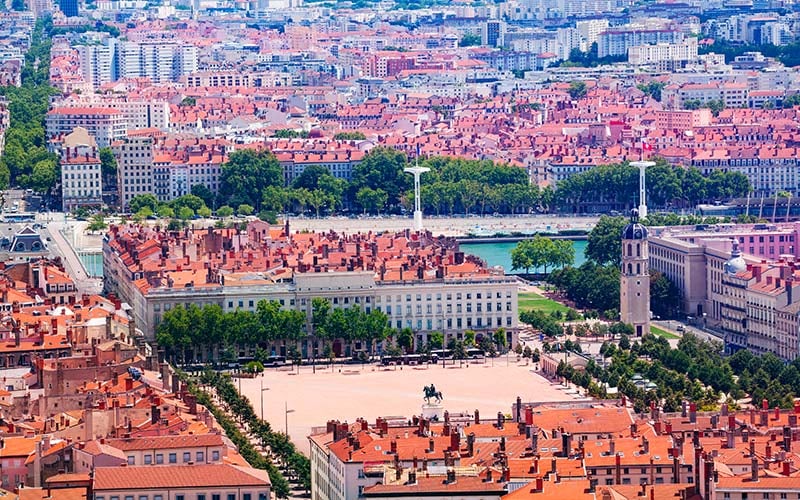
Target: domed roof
{"points": [[634, 230], [736, 263]]}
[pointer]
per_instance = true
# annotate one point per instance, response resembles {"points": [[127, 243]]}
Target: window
{"points": [[215, 496], [201, 496], [187, 457], [201, 457], [148, 459], [142, 497], [159, 458], [173, 458], [128, 497], [215, 455], [247, 496], [179, 497], [262, 496], [131, 460], [231, 496]]}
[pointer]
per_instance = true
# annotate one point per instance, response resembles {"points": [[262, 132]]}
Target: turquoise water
{"points": [[499, 254], [93, 262]]}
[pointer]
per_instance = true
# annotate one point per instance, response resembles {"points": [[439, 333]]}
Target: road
{"points": [[72, 262]]}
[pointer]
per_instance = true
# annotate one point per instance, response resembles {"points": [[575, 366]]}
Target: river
{"points": [[499, 254]]}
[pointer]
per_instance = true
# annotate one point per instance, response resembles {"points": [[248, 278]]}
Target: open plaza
{"points": [[350, 391]]}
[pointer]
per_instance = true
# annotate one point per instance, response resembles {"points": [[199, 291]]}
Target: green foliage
{"points": [[616, 186], [98, 223], [108, 162], [372, 200], [188, 101], [201, 191], [246, 174], [224, 211], [141, 201], [604, 245], [590, 286], [470, 40], [541, 252], [788, 54], [715, 105], [279, 443], [665, 297], [245, 209], [382, 168], [653, 89], [577, 89], [287, 133], [26, 161], [350, 136], [590, 58]]}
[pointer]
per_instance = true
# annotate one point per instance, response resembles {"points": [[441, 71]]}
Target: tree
{"points": [[204, 212], [185, 213], [143, 200], [164, 211], [470, 40], [500, 338], [349, 136], [188, 101], [245, 209], [371, 200], [245, 175], [405, 340], [382, 168], [665, 297], [224, 211], [108, 162], [436, 340], [604, 246], [205, 194], [98, 223], [577, 89]]}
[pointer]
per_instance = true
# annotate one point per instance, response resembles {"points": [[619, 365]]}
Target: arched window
{"points": [[638, 269], [638, 249], [630, 250], [630, 268]]}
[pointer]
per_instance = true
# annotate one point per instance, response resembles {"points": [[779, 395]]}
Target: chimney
{"points": [[676, 469], [518, 410], [471, 444], [730, 439], [754, 469], [539, 485], [488, 475], [645, 445], [477, 417], [753, 448], [528, 415], [693, 413], [612, 447], [393, 445], [787, 468], [431, 445], [724, 409], [618, 470], [451, 476], [777, 413], [732, 422], [787, 438]]}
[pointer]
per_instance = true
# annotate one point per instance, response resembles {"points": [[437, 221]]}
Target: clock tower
{"points": [[634, 287]]}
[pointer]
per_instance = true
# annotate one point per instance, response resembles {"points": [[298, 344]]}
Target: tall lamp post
{"points": [[263, 390], [642, 166], [286, 412], [417, 171]]}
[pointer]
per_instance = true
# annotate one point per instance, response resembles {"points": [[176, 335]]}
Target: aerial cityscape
{"points": [[382, 249]]}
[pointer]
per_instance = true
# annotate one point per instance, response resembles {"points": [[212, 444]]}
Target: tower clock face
{"points": [[637, 233]]}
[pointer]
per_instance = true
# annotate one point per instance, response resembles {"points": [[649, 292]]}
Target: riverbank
{"points": [[449, 226]]}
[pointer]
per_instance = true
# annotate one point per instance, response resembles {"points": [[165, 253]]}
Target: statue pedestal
{"points": [[433, 411]]}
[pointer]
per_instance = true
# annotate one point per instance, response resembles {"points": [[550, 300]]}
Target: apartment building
{"points": [[181, 482], [81, 173], [106, 125], [98, 62], [159, 61], [450, 293], [738, 280], [617, 41], [676, 54], [134, 167]]}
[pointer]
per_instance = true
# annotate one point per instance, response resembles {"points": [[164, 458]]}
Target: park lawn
{"points": [[662, 333], [532, 301]]}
